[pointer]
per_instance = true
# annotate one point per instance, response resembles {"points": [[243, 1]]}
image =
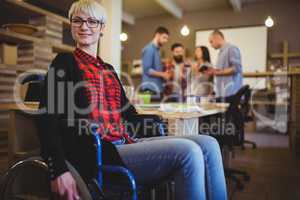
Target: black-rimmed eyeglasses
{"points": [[91, 23]]}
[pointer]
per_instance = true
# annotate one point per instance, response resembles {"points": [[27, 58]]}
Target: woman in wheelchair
{"points": [[80, 86]]}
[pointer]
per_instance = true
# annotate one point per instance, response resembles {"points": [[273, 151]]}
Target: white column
{"points": [[110, 44]]}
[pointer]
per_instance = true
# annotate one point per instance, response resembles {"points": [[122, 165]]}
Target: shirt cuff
{"points": [[151, 71], [56, 167]]}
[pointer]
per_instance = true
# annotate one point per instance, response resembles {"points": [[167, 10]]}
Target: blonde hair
{"points": [[91, 7]]}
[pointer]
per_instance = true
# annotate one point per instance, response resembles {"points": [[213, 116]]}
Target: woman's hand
{"points": [[210, 71], [65, 186], [167, 75], [195, 68]]}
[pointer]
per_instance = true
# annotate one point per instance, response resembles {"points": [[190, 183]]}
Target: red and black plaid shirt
{"points": [[104, 95]]}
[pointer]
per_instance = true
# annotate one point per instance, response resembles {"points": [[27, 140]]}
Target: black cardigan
{"points": [[59, 141]]}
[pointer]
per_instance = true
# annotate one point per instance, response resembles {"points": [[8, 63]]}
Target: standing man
{"points": [[228, 73], [175, 87], [153, 74]]}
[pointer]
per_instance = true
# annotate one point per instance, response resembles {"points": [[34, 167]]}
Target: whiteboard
{"points": [[252, 42]]}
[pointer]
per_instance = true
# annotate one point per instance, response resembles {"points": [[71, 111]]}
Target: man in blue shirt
{"points": [[153, 74], [228, 73]]}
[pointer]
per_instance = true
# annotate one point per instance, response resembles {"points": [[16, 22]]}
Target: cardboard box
{"points": [[8, 54]]}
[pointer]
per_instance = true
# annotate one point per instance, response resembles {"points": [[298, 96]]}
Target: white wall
{"points": [[252, 42], [110, 44]]}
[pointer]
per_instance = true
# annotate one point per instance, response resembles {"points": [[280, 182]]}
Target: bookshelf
{"points": [[37, 50], [30, 9], [294, 125]]}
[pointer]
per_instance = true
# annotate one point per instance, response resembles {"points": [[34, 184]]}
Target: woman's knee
{"points": [[207, 140], [211, 140], [207, 143], [189, 150]]}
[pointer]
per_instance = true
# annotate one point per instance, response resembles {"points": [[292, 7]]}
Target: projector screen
{"points": [[252, 42]]}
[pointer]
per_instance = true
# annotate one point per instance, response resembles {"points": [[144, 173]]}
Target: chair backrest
{"points": [[245, 105], [237, 99], [34, 82], [23, 136], [235, 115]]}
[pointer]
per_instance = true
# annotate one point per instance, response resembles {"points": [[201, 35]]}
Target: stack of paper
{"points": [[177, 107]]}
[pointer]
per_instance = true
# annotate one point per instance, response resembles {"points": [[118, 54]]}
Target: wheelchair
{"points": [[28, 179]]}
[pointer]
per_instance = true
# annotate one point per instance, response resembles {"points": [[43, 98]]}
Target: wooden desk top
{"points": [[19, 106], [267, 103], [208, 109]]}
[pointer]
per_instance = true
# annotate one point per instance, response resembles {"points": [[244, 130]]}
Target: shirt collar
{"points": [[224, 46], [154, 45], [87, 58]]}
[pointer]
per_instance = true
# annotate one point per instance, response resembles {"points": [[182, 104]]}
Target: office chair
{"points": [[34, 81], [22, 138], [230, 130], [245, 108]]}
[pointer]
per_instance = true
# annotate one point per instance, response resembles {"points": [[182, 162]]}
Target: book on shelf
{"points": [[24, 60], [35, 65], [4, 117], [49, 29], [58, 28], [54, 40], [36, 45], [6, 88], [44, 20], [7, 72], [35, 52], [5, 98], [46, 33], [7, 80]]}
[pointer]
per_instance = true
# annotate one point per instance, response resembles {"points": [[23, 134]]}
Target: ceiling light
{"points": [[123, 37], [269, 22], [185, 31]]}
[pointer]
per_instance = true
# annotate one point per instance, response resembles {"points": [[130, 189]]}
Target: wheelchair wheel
{"points": [[29, 180]]}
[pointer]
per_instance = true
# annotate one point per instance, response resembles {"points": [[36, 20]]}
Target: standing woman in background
{"points": [[201, 83]]}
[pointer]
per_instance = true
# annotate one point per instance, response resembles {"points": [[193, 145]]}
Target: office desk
{"points": [[183, 122], [179, 123]]}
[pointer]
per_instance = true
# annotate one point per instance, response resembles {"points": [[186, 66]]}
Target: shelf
{"points": [[8, 70], [266, 74], [14, 70], [34, 9], [58, 48], [290, 55], [268, 103], [16, 106], [17, 38]]}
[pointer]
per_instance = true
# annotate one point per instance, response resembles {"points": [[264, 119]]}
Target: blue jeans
{"points": [[193, 162]]}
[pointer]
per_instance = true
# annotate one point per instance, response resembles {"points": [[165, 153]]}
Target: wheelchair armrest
{"points": [[115, 169], [25, 154]]}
